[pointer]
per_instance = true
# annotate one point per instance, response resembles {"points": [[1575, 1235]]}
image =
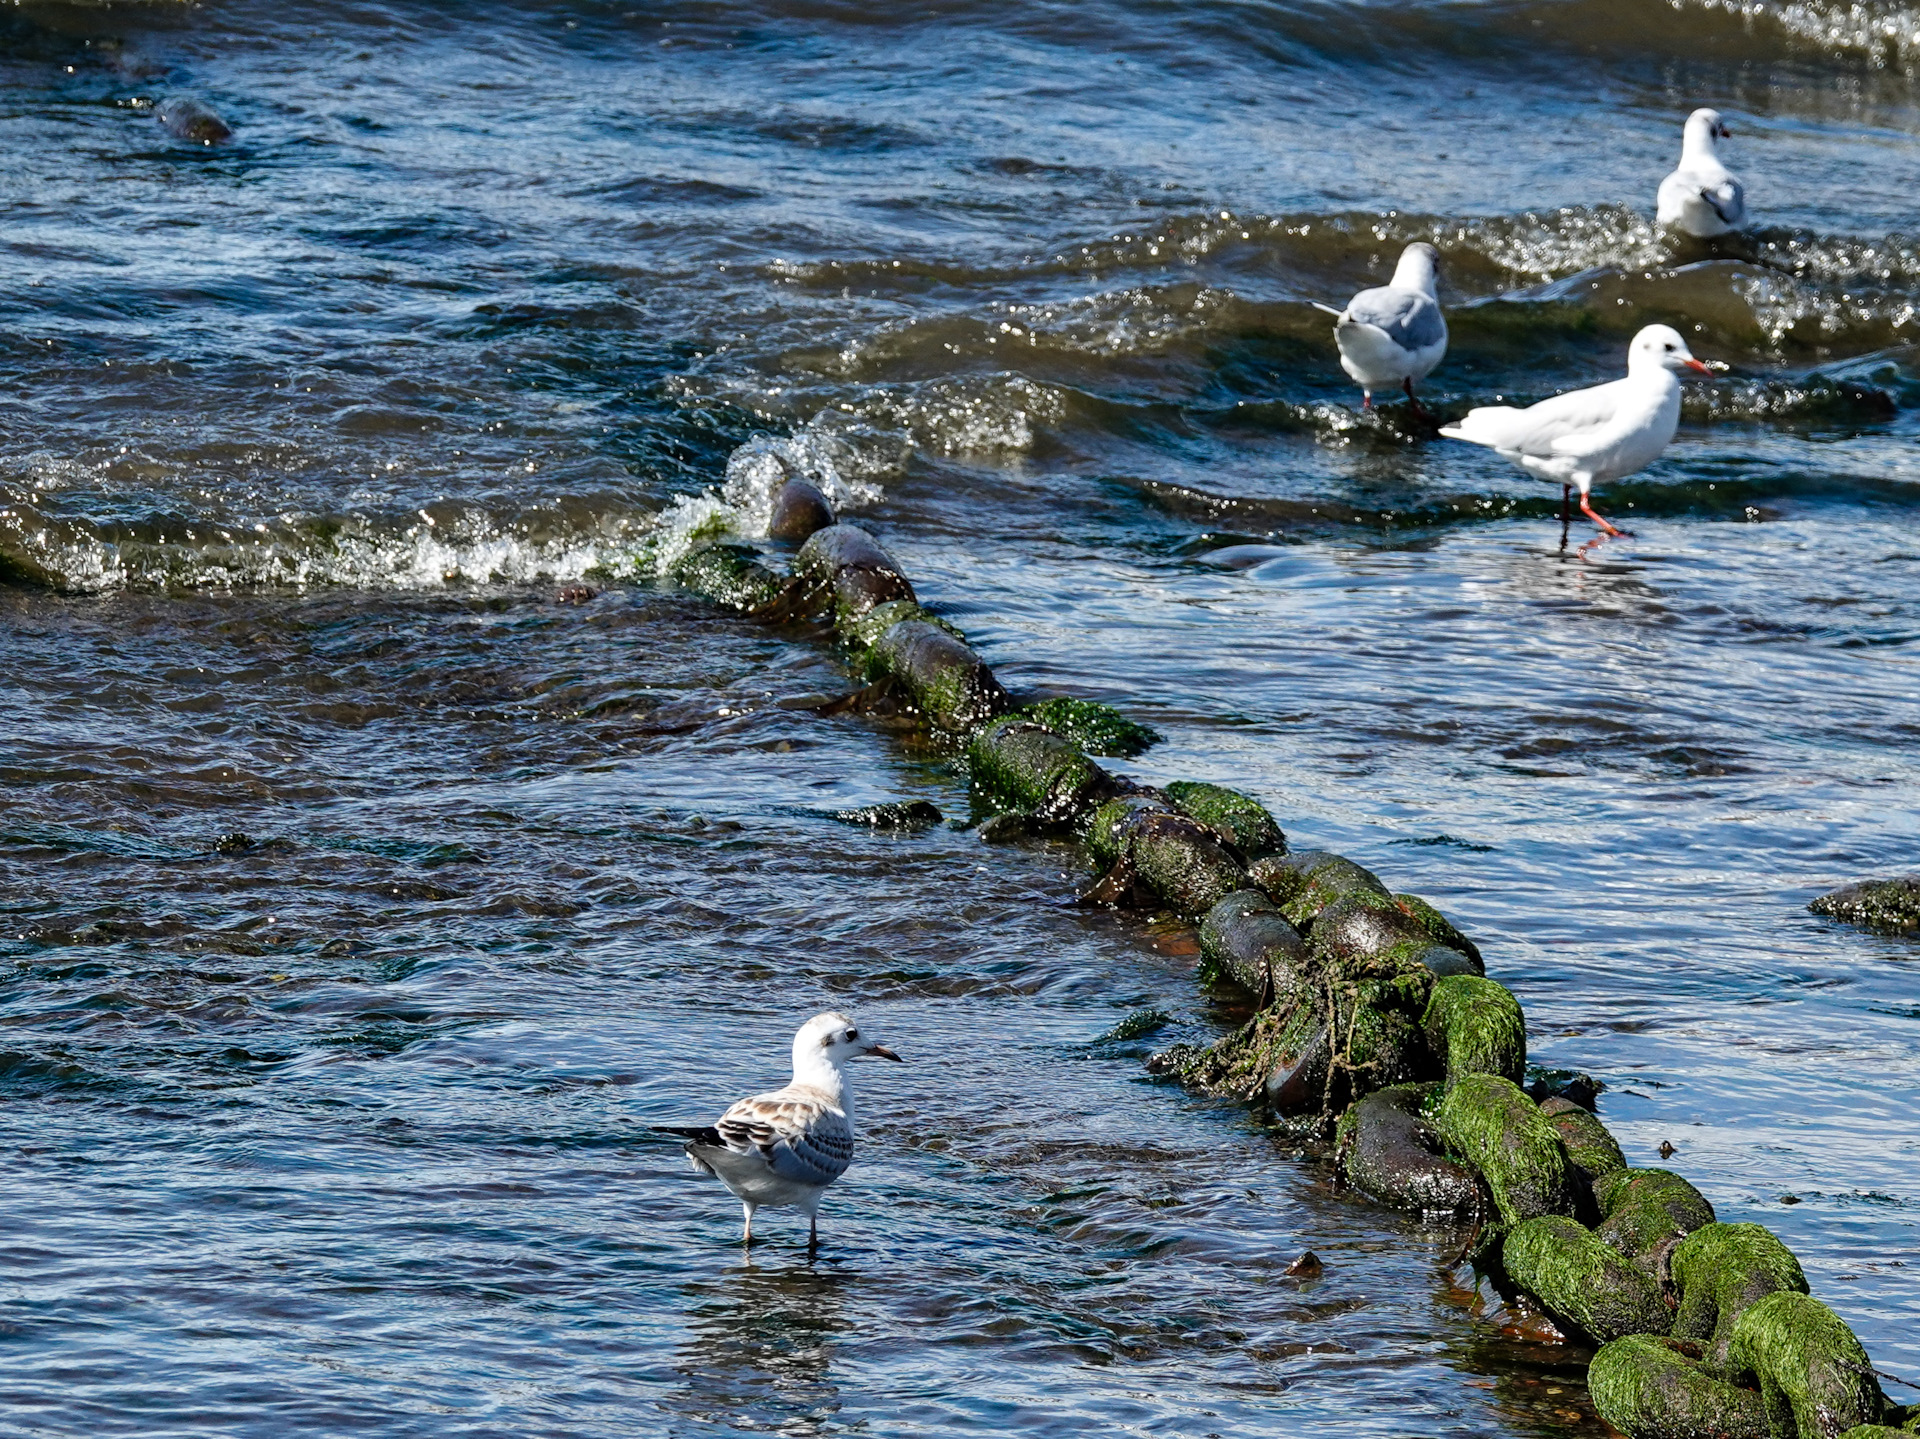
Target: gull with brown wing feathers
{"points": [[786, 1147]]}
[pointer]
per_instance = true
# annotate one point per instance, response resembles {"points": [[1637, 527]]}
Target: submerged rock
{"points": [[907, 814], [187, 118], [1882, 903]]}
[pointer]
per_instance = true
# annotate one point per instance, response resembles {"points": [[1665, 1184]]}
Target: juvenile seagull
{"points": [[1701, 197], [1394, 334], [1588, 436], [788, 1146]]}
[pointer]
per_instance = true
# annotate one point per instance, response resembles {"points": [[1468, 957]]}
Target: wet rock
{"points": [[1240, 821], [909, 814], [1647, 1387], [1882, 903], [1585, 1284], [862, 631], [1279, 1056], [1245, 938], [1024, 768], [1006, 829], [186, 117], [1814, 1377], [1578, 1089], [1181, 863], [1391, 1152], [1307, 881], [1474, 1026], [1491, 1124], [844, 567], [799, 512], [1721, 1271], [1307, 1266], [574, 594], [1097, 728]]}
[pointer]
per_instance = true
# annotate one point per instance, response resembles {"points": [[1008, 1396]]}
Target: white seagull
{"points": [[1701, 197], [788, 1146], [1394, 334], [1589, 436]]}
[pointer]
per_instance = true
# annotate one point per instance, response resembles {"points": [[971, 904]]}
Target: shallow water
{"points": [[364, 902]]}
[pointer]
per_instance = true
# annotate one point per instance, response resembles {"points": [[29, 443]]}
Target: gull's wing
{"points": [[1410, 318], [1728, 199], [1540, 429], [797, 1132]]}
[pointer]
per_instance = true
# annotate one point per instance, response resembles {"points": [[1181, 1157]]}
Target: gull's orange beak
{"points": [[1701, 365], [880, 1051]]}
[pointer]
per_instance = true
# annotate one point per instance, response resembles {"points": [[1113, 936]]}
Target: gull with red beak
{"points": [[786, 1147], [1587, 437]]}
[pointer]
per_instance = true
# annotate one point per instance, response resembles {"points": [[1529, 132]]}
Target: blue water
{"points": [[367, 891]]}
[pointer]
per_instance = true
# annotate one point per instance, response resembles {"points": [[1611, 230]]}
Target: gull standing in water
{"points": [[1394, 334], [788, 1146], [1590, 436], [1702, 198]]}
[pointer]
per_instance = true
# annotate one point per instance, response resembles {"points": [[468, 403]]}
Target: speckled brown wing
{"points": [[800, 1135]]}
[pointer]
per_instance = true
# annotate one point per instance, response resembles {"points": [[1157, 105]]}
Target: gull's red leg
{"points": [[1588, 510]]}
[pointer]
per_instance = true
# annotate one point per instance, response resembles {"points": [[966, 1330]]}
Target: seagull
{"points": [[1701, 197], [1598, 434], [788, 1146], [1394, 334]]}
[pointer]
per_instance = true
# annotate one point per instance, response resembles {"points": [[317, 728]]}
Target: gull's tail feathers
{"points": [[1486, 425]]}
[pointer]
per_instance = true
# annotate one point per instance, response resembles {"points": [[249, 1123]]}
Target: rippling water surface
{"points": [[363, 902]]}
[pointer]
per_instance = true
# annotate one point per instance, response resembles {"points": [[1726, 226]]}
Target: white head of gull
{"points": [[1394, 334], [1702, 198], [1590, 436], [786, 1147]]}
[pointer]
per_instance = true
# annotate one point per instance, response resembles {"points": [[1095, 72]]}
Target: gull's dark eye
{"points": [[853, 1034]]}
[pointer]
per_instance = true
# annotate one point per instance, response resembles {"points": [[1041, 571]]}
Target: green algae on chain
{"points": [[1814, 1377], [944, 679], [1589, 1143], [1722, 1270], [1645, 1212], [1306, 881], [1240, 820], [1492, 1124], [844, 568], [1475, 1026], [1648, 1387], [1583, 1283], [1024, 768], [1387, 1148], [729, 574], [1097, 728]]}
